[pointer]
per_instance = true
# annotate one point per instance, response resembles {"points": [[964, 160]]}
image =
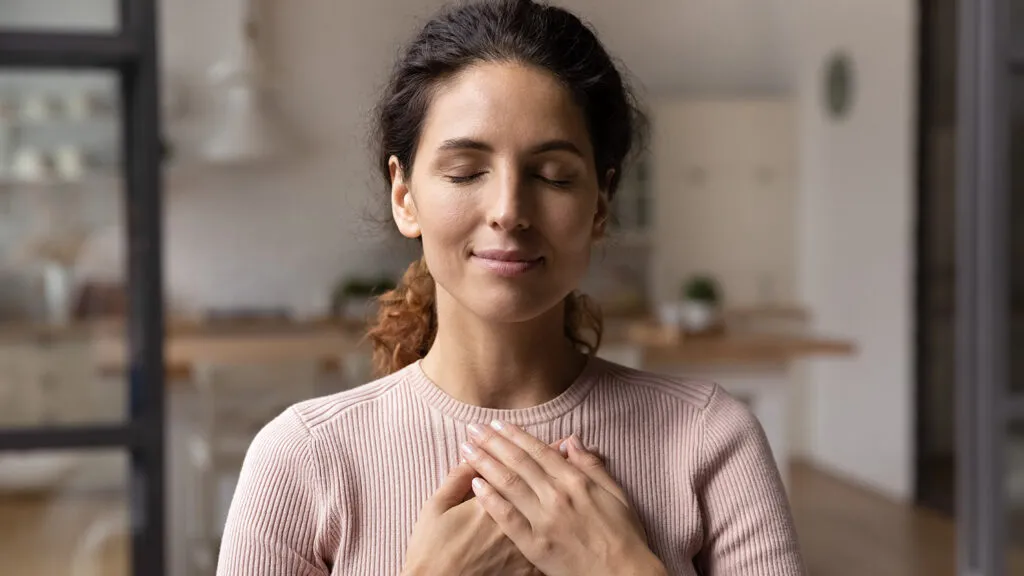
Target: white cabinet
{"points": [[724, 183], [56, 383], [20, 399], [73, 391]]}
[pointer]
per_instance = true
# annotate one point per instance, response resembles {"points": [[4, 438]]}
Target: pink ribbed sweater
{"points": [[334, 484]]}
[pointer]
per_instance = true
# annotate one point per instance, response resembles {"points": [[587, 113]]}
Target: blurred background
{"points": [[790, 232]]}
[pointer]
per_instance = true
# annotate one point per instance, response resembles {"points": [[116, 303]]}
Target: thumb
{"points": [[453, 491]]}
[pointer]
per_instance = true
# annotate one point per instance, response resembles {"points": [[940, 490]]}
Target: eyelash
{"points": [[472, 177]]}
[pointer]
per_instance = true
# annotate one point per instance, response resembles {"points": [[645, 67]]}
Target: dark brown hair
{"points": [[522, 31]]}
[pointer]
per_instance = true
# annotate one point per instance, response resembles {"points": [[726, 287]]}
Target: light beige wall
{"points": [[856, 237], [281, 236]]}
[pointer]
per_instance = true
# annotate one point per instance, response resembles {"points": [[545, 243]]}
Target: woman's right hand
{"points": [[455, 535]]}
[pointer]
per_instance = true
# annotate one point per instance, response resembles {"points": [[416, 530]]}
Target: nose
{"points": [[509, 203]]}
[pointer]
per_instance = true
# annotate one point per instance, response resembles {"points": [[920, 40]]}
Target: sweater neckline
{"points": [[462, 411]]}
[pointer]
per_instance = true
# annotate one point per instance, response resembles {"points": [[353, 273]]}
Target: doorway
{"points": [[81, 449]]}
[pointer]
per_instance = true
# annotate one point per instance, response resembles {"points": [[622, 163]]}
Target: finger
{"points": [[506, 481], [508, 518], [453, 491], [560, 444], [521, 462], [593, 466], [534, 460]]}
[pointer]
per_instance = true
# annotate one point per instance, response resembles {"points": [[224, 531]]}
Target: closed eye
{"points": [[555, 183], [463, 179]]}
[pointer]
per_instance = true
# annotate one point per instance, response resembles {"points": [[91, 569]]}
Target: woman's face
{"points": [[503, 192]]}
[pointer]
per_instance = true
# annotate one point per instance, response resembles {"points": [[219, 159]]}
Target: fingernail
{"points": [[497, 425], [576, 443], [478, 484], [564, 447], [468, 449], [475, 430]]}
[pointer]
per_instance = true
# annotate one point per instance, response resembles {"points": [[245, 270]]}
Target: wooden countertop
{"points": [[190, 343], [744, 349]]}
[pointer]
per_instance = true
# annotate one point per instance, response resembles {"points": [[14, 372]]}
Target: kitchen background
{"points": [[782, 166]]}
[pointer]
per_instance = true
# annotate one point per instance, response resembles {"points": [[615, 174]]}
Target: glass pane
{"points": [[62, 301], [63, 15], [64, 513]]}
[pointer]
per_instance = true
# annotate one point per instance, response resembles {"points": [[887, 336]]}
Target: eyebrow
{"points": [[549, 146]]}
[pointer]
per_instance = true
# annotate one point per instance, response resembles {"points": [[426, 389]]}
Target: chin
{"points": [[508, 305]]}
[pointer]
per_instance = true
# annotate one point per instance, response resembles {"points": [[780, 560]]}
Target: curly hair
{"points": [[521, 31]]}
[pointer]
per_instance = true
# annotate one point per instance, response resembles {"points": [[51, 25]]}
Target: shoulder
{"points": [[717, 409], [319, 413], [690, 392], [297, 435]]}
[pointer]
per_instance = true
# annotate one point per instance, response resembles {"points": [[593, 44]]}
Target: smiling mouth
{"points": [[507, 265]]}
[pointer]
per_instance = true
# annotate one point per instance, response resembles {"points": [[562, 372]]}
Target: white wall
{"points": [[856, 237], [282, 236]]}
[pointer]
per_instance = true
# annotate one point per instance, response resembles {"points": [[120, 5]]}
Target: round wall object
{"points": [[839, 84]]}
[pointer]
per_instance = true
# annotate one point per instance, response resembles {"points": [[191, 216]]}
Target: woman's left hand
{"points": [[566, 515]]}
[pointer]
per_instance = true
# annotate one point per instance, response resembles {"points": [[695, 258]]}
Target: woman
{"points": [[501, 137]]}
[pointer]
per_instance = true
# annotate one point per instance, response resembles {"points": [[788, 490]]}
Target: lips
{"points": [[507, 263]]}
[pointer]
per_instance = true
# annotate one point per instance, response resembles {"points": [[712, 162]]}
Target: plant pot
{"points": [[697, 315]]}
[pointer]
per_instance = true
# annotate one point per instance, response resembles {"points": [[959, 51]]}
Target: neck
{"points": [[501, 365]]}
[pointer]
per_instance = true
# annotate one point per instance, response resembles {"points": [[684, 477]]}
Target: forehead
{"points": [[506, 105]]}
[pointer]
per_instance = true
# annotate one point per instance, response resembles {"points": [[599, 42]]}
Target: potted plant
{"points": [[353, 298], [699, 309]]}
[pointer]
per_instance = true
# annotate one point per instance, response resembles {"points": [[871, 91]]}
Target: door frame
{"points": [[984, 403], [131, 51]]}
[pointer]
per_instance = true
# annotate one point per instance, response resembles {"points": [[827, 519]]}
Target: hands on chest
{"points": [[539, 509]]}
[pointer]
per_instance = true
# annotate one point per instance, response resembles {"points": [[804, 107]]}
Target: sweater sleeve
{"points": [[272, 523], [748, 525]]}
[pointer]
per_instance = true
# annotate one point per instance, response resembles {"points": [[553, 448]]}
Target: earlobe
{"points": [[603, 206], [601, 216], [403, 206]]}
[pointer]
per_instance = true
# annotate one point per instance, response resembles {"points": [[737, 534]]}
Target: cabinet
{"points": [[20, 401], [723, 178], [56, 384]]}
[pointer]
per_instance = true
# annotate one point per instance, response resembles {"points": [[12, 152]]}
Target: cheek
{"points": [[446, 221], [572, 228]]}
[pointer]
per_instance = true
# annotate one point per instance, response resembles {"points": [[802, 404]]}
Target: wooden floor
{"points": [[844, 531]]}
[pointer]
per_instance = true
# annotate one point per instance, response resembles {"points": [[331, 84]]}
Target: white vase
{"points": [[57, 293], [697, 315]]}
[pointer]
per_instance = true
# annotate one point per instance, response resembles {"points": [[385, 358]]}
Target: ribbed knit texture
{"points": [[334, 484]]}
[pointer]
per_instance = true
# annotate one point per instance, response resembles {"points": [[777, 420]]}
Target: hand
{"points": [[455, 535], [567, 517]]}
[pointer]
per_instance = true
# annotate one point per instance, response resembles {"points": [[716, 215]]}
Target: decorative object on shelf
{"points": [[69, 163], [58, 285], [245, 129], [50, 249], [29, 165], [49, 138], [37, 108], [838, 84], [700, 309], [353, 299]]}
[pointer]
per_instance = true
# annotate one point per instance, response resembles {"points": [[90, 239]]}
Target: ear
{"points": [[403, 206], [603, 212]]}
